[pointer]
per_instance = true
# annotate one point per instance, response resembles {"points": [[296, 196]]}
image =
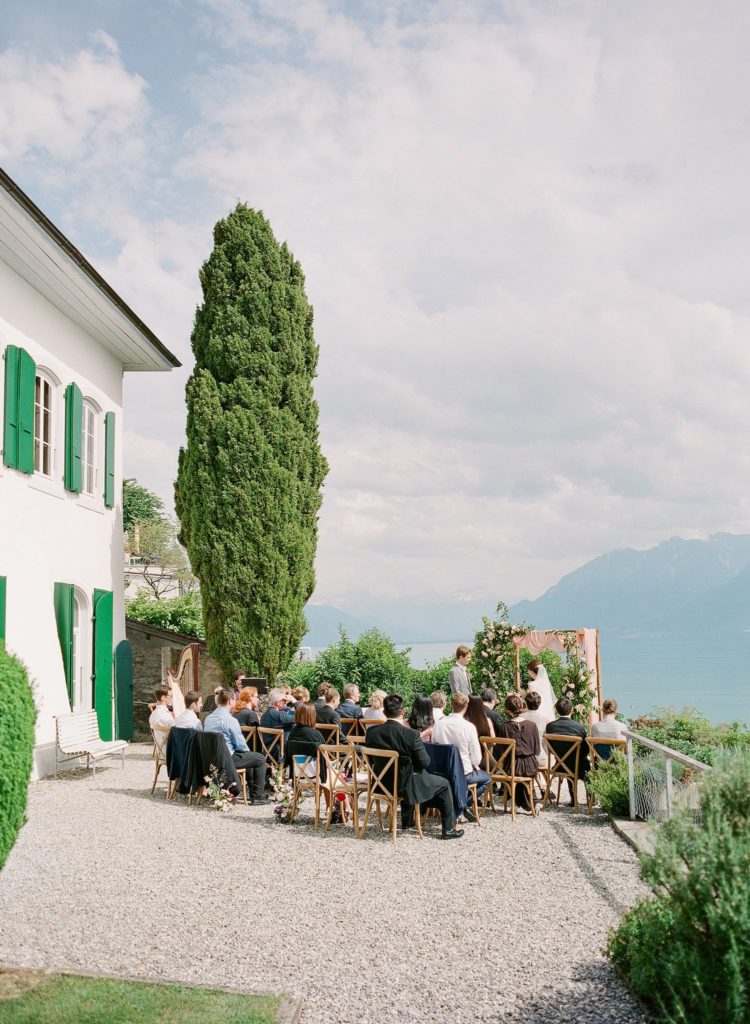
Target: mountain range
{"points": [[678, 587]]}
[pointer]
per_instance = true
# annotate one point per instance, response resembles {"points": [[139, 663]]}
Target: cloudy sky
{"points": [[524, 228]]}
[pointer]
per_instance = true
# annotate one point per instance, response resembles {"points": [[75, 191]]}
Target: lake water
{"points": [[645, 673]]}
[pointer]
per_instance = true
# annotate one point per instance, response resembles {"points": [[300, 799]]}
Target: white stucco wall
{"points": [[47, 534]]}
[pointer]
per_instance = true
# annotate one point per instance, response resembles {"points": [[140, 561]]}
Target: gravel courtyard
{"points": [[506, 924]]}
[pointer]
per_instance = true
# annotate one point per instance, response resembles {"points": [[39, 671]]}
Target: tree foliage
{"points": [[139, 505], [161, 563], [17, 717], [249, 481], [180, 614]]}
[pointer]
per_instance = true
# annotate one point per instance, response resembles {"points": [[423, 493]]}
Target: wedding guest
{"points": [[238, 680], [534, 713], [609, 728], [328, 714], [476, 713], [421, 717], [161, 717], [527, 743], [375, 708], [564, 725], [277, 715], [489, 700], [303, 735], [438, 704], [321, 695], [301, 695], [246, 706], [350, 705], [189, 717], [459, 677], [221, 721], [415, 783], [455, 729]]}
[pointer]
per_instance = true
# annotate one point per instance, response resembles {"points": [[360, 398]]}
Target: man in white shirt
{"points": [[458, 677], [161, 717], [609, 728], [438, 704], [189, 717], [455, 729]]}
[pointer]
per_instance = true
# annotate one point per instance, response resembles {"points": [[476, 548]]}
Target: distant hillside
{"points": [[678, 585]]}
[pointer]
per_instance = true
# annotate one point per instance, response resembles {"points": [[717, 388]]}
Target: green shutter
{"points": [[10, 429], [124, 690], [64, 616], [3, 583], [109, 460], [26, 387], [73, 475], [103, 634]]}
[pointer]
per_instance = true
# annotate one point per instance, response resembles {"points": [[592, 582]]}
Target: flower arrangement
{"points": [[577, 687], [218, 795], [283, 794], [495, 653]]}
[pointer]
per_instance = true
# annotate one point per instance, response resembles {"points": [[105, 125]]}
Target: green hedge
{"points": [[17, 717], [685, 951]]}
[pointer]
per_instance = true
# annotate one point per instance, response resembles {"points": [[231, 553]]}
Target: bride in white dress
{"points": [[539, 681]]}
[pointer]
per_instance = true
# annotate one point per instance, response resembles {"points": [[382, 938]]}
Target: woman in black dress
{"points": [[527, 742]]}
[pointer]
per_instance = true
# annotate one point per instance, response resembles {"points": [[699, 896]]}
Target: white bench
{"points": [[78, 736]]}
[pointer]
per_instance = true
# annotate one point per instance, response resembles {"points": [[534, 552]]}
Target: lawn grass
{"points": [[28, 998]]}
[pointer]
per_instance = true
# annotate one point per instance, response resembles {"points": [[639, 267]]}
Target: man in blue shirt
{"points": [[221, 721]]}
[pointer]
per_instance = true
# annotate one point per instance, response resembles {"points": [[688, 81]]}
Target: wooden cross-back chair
{"points": [[250, 732], [305, 779], [330, 733], [160, 735], [382, 788], [271, 745], [563, 762], [367, 723], [500, 763], [601, 750], [337, 765], [350, 727]]}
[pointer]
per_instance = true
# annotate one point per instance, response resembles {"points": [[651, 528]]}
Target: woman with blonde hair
{"points": [[301, 694], [375, 710]]}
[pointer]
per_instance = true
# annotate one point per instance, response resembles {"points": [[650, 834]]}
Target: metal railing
{"points": [[653, 792]]}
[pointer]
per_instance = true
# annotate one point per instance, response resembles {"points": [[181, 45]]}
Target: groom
{"points": [[458, 677]]}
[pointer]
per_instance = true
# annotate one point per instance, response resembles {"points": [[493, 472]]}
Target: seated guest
{"points": [[527, 743], [489, 699], [161, 716], [189, 717], [564, 725], [328, 714], [301, 695], [455, 729], [476, 713], [533, 713], [415, 784], [246, 706], [350, 705], [438, 704], [221, 721], [322, 690], [209, 704], [609, 728], [277, 715], [374, 712], [421, 717], [303, 735]]}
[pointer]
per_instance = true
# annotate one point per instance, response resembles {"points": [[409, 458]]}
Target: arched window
{"points": [[45, 410], [90, 452]]}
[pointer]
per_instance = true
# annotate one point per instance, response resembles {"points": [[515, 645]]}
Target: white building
{"points": [[65, 339]]}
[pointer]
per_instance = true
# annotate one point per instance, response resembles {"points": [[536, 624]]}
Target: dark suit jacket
{"points": [[415, 783], [303, 739], [348, 709], [496, 719], [278, 718], [568, 727]]}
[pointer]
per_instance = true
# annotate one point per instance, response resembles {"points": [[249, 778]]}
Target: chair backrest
{"points": [[367, 723], [565, 754], [330, 733], [603, 750], [177, 751], [335, 760], [356, 740], [350, 726], [160, 734], [250, 732], [271, 745], [77, 730], [305, 768], [499, 757], [382, 773]]}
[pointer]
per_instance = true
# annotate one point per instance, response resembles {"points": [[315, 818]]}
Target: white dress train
{"points": [[543, 687]]}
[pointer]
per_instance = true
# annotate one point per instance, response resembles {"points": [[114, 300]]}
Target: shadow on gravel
{"points": [[595, 995], [589, 868]]}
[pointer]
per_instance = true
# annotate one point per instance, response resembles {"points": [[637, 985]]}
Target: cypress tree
{"points": [[249, 480]]}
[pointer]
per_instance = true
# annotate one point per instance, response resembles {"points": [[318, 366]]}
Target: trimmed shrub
{"points": [[685, 951], [609, 784], [180, 614], [17, 717]]}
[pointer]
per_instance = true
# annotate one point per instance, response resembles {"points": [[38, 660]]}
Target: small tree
{"points": [[249, 481], [17, 717], [139, 505], [162, 562]]}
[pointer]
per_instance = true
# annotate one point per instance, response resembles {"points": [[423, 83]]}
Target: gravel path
{"points": [[106, 878]]}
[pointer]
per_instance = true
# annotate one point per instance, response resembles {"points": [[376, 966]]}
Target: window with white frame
{"points": [[44, 411], [90, 452]]}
